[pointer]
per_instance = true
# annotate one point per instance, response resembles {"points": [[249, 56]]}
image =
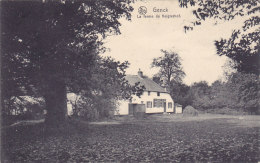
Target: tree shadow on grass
{"points": [[19, 135]]}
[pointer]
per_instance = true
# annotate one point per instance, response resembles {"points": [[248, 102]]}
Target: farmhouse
{"points": [[155, 99]]}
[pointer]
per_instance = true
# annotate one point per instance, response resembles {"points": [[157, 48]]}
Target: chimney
{"points": [[140, 73]]}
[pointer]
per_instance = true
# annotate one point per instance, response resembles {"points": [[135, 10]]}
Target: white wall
{"points": [[178, 109], [71, 98], [122, 108], [153, 95], [123, 105]]}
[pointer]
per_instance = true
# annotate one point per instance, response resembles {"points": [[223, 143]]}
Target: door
{"points": [[131, 109], [164, 106]]}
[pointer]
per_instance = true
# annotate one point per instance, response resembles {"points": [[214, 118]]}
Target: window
{"points": [[149, 93], [158, 102], [158, 93], [149, 104], [169, 105]]}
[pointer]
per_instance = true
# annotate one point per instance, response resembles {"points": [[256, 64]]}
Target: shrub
{"points": [[190, 111], [91, 109]]}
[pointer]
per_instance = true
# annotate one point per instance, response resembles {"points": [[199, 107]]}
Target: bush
{"points": [[92, 109], [190, 111]]}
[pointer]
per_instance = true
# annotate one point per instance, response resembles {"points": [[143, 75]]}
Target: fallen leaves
{"points": [[206, 141]]}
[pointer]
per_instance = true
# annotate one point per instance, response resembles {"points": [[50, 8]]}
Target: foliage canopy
{"points": [[243, 45], [170, 67], [50, 48]]}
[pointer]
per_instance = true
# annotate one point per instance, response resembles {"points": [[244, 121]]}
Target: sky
{"points": [[141, 40]]}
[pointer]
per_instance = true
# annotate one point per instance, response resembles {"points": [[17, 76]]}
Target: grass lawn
{"points": [[158, 138]]}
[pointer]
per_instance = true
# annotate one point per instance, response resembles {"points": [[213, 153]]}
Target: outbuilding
{"points": [[178, 108]]}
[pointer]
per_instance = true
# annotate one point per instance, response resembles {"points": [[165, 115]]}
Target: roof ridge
{"points": [[148, 83]]}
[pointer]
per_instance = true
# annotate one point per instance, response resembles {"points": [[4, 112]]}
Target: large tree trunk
{"points": [[56, 104]]}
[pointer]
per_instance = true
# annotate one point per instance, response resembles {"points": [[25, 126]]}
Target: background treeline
{"points": [[239, 94]]}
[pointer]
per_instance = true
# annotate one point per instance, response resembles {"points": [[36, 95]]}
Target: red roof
{"points": [[149, 84]]}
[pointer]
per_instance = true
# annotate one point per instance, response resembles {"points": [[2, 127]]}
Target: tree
{"points": [[243, 45], [180, 93], [240, 93], [219, 95], [51, 48], [170, 67], [243, 50], [107, 86], [221, 10], [157, 79], [200, 92], [245, 89]]}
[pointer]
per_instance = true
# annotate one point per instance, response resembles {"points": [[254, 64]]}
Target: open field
{"points": [[158, 138]]}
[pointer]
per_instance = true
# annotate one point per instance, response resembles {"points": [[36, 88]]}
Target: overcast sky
{"points": [[142, 38]]}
